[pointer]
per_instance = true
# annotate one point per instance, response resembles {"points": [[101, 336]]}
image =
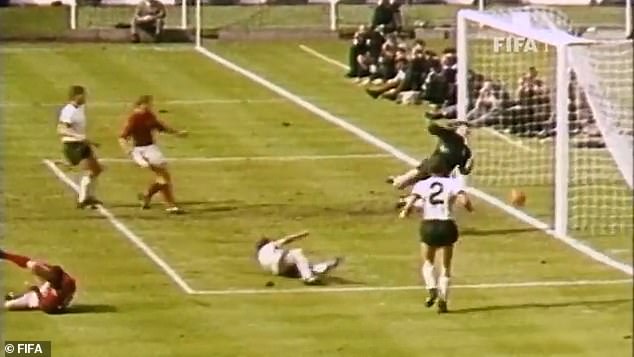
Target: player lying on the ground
{"points": [[78, 150], [436, 196], [291, 263], [452, 149], [54, 292], [137, 141]]}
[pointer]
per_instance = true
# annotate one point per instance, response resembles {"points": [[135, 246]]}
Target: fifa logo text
{"points": [[512, 44]]}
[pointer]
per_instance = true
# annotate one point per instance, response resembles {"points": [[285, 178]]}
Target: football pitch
{"points": [[257, 163]]}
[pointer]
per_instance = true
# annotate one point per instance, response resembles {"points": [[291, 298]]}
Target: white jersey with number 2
{"points": [[438, 195]]}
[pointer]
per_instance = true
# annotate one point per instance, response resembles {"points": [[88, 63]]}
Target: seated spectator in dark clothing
{"points": [[449, 70], [356, 54], [475, 82], [386, 68], [384, 16], [397, 16], [376, 40], [390, 87], [149, 16], [533, 111], [435, 86]]}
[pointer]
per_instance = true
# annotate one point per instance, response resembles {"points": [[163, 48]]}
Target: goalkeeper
{"points": [[453, 150]]}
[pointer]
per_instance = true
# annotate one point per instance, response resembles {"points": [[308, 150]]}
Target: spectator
{"points": [[358, 54], [435, 86], [389, 89], [417, 67], [532, 113], [397, 16], [149, 16], [384, 16]]}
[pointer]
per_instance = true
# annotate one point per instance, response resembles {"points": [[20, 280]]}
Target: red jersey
{"points": [[140, 127], [55, 300]]}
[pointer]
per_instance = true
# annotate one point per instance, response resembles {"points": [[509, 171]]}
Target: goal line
{"points": [[361, 289]]}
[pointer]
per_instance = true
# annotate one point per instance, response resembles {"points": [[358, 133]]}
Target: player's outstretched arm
{"points": [[467, 167], [409, 203], [291, 238], [125, 145], [465, 201]]}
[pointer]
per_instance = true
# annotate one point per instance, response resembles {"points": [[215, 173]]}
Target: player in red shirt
{"points": [[137, 141], [54, 293]]}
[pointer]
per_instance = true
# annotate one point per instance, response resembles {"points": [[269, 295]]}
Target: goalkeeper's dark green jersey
{"points": [[452, 148]]}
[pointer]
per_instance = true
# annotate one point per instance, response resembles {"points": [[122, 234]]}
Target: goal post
{"points": [[552, 116]]}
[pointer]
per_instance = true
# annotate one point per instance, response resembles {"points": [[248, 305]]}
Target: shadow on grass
{"points": [[91, 309], [539, 305], [336, 280], [496, 231]]}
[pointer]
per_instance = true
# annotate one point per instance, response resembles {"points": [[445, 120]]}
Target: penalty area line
{"points": [[360, 289], [125, 231], [261, 158]]}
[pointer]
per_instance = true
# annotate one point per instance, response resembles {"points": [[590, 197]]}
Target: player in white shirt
{"points": [[436, 196], [291, 263], [78, 150]]}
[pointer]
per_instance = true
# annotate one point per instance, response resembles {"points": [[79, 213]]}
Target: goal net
{"points": [[552, 113]]}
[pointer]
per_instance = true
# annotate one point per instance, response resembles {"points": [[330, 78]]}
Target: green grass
{"points": [[133, 309]]}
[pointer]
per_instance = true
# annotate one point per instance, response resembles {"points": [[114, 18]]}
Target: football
{"points": [[518, 198]]}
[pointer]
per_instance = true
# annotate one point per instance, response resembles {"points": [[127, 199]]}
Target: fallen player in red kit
{"points": [[54, 293]]}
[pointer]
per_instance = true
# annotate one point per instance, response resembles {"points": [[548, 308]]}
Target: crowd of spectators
{"points": [[407, 72]]}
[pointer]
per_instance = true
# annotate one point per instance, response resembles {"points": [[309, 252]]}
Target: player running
{"points": [[291, 263], [53, 294], [438, 230], [78, 150], [452, 149], [137, 141]]}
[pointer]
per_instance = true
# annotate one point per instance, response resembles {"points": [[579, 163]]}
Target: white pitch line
{"points": [[126, 232], [529, 284], [261, 158], [116, 103], [496, 133], [323, 57], [375, 141]]}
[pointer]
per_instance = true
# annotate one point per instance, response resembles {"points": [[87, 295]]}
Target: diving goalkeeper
{"points": [[453, 150]]}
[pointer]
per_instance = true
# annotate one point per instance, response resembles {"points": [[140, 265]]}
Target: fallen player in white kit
{"points": [[291, 263]]}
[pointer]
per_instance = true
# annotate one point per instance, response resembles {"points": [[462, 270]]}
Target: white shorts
{"points": [[28, 301], [146, 156]]}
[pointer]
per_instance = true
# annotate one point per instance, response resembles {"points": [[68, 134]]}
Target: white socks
{"points": [[84, 188], [443, 282], [429, 275], [321, 268], [444, 287]]}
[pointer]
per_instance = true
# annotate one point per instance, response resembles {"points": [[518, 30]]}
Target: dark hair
{"points": [[261, 243], [57, 275], [144, 99], [437, 166], [75, 90], [449, 50], [421, 42]]}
